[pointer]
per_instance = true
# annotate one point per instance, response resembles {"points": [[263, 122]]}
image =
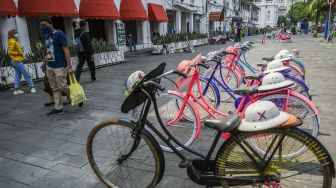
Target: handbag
{"points": [[77, 94]]}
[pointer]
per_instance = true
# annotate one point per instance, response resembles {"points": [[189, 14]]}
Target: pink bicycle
{"points": [[183, 112]]}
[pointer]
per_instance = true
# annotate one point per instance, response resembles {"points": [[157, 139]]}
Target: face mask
{"points": [[16, 35], [46, 30]]}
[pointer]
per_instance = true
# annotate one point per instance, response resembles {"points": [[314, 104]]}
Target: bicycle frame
{"points": [[207, 158]]}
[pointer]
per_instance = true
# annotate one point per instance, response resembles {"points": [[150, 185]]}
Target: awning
{"points": [[98, 9], [216, 16], [157, 13], [132, 10], [8, 8], [48, 7]]}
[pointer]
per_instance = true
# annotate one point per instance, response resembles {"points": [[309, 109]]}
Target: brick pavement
{"points": [[40, 151]]}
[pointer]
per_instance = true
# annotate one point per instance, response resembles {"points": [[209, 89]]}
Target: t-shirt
{"points": [[54, 49]]}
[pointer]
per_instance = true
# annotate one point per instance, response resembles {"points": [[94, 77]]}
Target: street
{"points": [[41, 151]]}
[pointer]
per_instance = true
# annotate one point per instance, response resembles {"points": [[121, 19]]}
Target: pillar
{"points": [[22, 29], [69, 30], [191, 22], [146, 32], [178, 21], [110, 31]]}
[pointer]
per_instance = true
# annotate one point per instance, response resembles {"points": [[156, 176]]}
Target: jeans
{"points": [[19, 71], [130, 44], [91, 65]]}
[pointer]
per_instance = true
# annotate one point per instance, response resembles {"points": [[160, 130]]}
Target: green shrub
{"points": [[177, 37]]}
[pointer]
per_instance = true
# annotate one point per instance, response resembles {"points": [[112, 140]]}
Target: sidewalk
{"points": [[41, 151]]}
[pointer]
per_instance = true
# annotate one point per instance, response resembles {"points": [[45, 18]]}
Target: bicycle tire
{"points": [[302, 114], [232, 162], [141, 172], [300, 88], [188, 121]]}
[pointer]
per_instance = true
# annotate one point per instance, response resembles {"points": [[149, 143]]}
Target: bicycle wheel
{"points": [[230, 79], [109, 147], [310, 169], [299, 108], [293, 71], [183, 129], [300, 88], [298, 65], [210, 96]]}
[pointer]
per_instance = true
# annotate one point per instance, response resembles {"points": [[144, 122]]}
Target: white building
{"points": [[268, 12], [142, 18]]}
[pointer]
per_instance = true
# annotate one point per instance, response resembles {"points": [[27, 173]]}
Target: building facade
{"points": [[270, 10], [142, 18]]}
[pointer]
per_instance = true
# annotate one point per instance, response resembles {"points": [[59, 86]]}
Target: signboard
{"points": [[121, 34]]}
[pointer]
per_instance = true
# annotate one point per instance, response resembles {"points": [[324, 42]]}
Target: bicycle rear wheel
{"points": [[313, 168], [121, 159], [299, 108]]}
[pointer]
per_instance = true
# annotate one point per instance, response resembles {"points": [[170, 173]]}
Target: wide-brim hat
{"points": [[285, 59], [279, 69], [263, 115], [281, 85], [282, 118]]}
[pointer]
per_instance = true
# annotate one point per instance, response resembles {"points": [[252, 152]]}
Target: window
{"points": [[268, 15]]}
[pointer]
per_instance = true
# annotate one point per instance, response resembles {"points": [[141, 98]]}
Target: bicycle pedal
{"points": [[185, 163]]}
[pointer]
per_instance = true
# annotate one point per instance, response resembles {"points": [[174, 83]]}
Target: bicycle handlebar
{"points": [[154, 84]]}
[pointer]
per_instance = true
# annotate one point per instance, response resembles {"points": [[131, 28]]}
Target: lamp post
{"points": [[292, 7]]}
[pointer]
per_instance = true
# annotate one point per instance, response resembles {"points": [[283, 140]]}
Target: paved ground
{"points": [[41, 151]]}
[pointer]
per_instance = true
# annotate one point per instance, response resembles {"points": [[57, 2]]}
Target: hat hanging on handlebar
{"points": [[275, 66], [273, 81]]}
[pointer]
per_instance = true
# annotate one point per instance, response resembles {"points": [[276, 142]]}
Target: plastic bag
{"points": [[77, 94]]}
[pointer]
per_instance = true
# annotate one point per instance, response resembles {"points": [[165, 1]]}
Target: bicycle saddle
{"points": [[268, 58], [254, 76], [225, 124], [246, 91]]}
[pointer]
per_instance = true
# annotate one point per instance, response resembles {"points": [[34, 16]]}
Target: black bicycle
{"points": [[124, 153]]}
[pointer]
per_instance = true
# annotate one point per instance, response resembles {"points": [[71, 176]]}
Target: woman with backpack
{"points": [[16, 55]]}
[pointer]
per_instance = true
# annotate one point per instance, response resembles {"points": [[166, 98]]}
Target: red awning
{"points": [[8, 8], [98, 9], [132, 10], [48, 7], [157, 13]]}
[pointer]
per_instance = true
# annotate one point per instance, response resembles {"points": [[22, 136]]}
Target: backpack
{"points": [[78, 43]]}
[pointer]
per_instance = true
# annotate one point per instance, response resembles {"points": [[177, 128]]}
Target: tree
{"points": [[297, 12], [282, 20]]}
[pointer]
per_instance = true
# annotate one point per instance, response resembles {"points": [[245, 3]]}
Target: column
{"points": [[163, 28], [178, 21], [191, 22], [22, 29], [146, 33], [110, 31], [6, 24], [69, 30]]}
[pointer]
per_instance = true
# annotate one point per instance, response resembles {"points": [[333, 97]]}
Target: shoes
{"points": [[33, 90], [18, 92], [55, 112], [95, 79], [66, 102], [49, 104], [80, 105]]}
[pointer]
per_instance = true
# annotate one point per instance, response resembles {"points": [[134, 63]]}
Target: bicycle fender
{"points": [[198, 118], [213, 86], [305, 99]]}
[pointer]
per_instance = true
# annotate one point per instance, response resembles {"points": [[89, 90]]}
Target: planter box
{"points": [[178, 46], [101, 60]]}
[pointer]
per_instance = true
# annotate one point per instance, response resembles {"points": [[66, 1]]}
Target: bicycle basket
{"points": [[137, 97]]}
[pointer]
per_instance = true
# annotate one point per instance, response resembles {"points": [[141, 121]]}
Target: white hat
{"points": [[133, 79], [273, 81], [262, 115], [275, 66]]}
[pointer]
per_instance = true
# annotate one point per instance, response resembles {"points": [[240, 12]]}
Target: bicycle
{"points": [[234, 73], [128, 155]]}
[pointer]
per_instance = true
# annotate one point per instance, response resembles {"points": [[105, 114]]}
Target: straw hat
{"points": [[263, 115], [273, 81], [275, 66]]}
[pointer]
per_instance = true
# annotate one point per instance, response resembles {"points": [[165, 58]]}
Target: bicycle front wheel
{"points": [[121, 159], [247, 167]]}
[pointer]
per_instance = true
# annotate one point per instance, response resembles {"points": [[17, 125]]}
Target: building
{"points": [[140, 18], [268, 16]]}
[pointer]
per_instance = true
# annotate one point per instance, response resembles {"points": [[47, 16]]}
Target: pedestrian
{"points": [[238, 33], [16, 55], [58, 62], [84, 50], [130, 42]]}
